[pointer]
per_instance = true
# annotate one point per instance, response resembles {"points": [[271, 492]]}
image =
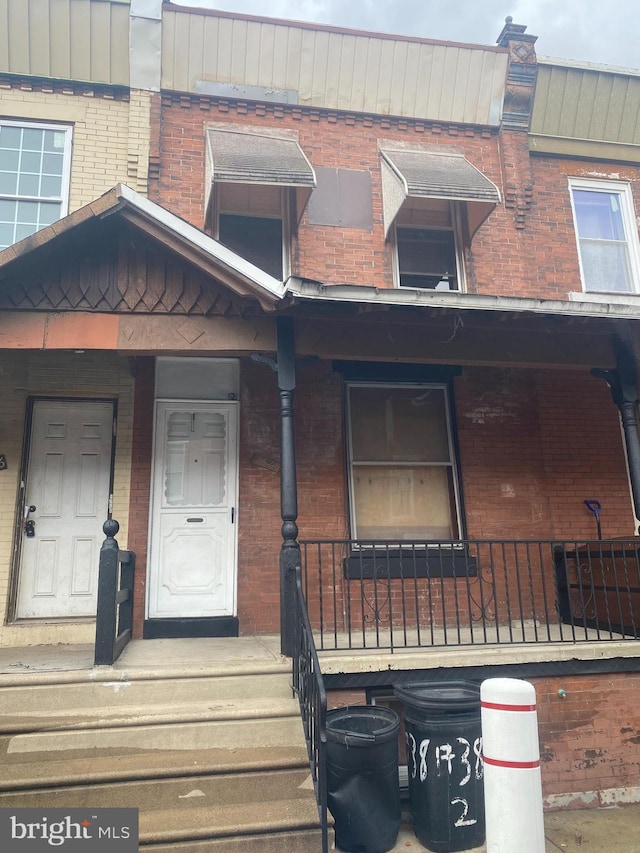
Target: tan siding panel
{"points": [[586, 104], [412, 81], [334, 57], [4, 37], [253, 67], [39, 35], [60, 39], [279, 42], [320, 59], [334, 70], [80, 21], [119, 45], [358, 90], [600, 114], [19, 57], [294, 52]]}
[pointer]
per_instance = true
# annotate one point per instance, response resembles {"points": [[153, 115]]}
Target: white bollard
{"points": [[512, 784]]}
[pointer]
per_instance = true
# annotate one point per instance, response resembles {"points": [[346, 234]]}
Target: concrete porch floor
{"points": [[233, 653]]}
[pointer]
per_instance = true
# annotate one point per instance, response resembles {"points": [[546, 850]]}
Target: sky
{"points": [[597, 31]]}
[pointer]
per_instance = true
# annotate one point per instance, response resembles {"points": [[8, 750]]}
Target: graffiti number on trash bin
{"points": [[424, 746], [462, 821], [426, 758], [443, 758]]}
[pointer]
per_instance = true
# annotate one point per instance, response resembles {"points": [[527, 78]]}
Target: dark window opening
{"points": [[427, 258], [258, 239]]}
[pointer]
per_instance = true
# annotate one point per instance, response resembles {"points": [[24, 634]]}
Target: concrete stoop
{"points": [[213, 761]]}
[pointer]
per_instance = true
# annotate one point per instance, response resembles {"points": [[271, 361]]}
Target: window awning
{"points": [[433, 175], [252, 158]]}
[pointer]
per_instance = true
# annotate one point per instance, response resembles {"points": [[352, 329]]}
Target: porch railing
{"points": [[393, 595], [309, 688], [114, 618]]}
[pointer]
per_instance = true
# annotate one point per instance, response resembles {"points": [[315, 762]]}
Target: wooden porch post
{"points": [[624, 390], [290, 550]]}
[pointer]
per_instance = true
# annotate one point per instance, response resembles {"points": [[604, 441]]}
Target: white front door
{"points": [[67, 481], [192, 566]]}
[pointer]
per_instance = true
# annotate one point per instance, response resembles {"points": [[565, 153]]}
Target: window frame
{"points": [[456, 228], [63, 199], [453, 466], [284, 217], [622, 190]]}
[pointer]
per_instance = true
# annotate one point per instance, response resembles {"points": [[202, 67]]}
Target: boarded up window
{"points": [[402, 470], [342, 197]]}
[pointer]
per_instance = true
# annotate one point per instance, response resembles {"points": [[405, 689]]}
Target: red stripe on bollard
{"points": [[497, 707], [518, 765]]}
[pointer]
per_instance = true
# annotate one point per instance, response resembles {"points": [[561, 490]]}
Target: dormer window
{"points": [[433, 203], [259, 187]]}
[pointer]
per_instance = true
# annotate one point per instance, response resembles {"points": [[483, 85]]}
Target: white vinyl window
{"points": [[403, 479], [607, 236], [35, 164]]}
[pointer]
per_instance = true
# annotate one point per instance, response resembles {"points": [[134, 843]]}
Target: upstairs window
{"points": [[427, 242], [258, 187], [433, 201], [34, 178], [251, 221], [403, 478], [607, 236]]}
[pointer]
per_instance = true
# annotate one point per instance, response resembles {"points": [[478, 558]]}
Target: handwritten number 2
{"points": [[465, 811]]}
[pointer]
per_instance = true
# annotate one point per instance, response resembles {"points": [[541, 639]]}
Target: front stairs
{"points": [[213, 755]]}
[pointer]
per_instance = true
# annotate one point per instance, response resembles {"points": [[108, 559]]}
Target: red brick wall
{"points": [[141, 454], [534, 444], [590, 740], [334, 255], [526, 247], [321, 494]]}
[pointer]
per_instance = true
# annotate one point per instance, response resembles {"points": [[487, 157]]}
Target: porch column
{"points": [[290, 550], [624, 391]]}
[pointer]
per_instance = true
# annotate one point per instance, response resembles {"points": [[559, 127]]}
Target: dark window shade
{"points": [[257, 239]]}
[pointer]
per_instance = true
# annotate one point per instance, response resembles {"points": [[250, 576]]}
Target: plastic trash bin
{"points": [[444, 758], [363, 793]]}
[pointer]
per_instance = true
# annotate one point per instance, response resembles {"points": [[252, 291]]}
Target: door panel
{"points": [[68, 478], [192, 556]]}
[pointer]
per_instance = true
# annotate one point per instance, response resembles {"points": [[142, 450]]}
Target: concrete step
{"points": [[45, 693], [38, 770], [224, 734], [211, 753], [174, 811], [113, 716]]}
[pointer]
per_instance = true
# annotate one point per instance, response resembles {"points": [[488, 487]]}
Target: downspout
{"points": [[624, 392], [290, 550]]}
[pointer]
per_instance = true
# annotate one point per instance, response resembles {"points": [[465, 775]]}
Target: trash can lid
{"points": [[439, 695], [362, 725]]}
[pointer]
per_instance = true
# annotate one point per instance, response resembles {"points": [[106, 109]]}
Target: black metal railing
{"points": [[309, 688], [392, 595], [114, 618]]}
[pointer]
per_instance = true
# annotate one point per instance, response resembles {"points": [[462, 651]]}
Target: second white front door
{"points": [[192, 559]]}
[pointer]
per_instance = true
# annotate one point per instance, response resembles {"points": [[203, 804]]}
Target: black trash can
{"points": [[444, 759], [363, 793]]}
